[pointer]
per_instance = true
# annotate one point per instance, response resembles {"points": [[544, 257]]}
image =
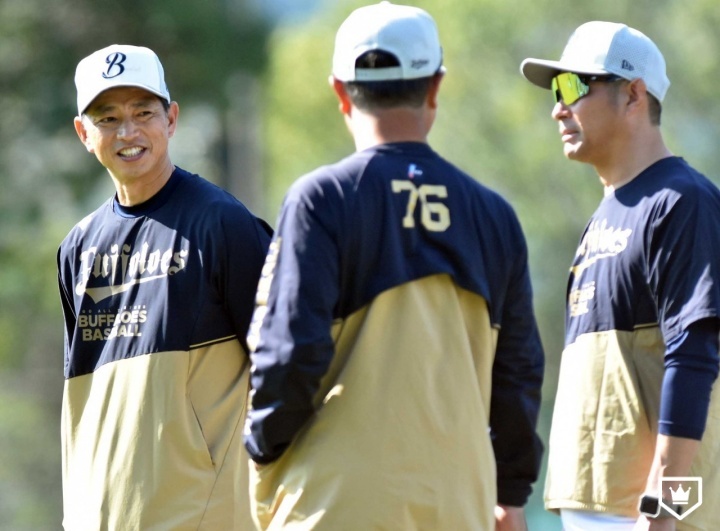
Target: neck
{"points": [[634, 154], [132, 192], [400, 124]]}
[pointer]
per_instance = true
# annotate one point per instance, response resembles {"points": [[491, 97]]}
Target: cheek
{"points": [[102, 149], [93, 142], [90, 145], [602, 129]]}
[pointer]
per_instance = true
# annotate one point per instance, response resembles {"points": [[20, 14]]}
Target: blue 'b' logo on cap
{"points": [[115, 65]]}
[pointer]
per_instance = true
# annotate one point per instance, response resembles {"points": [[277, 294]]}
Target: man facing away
{"points": [[635, 405], [397, 367], [157, 288]]}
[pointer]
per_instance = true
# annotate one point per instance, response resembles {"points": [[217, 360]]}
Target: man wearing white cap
{"points": [[396, 366], [157, 288], [635, 415]]}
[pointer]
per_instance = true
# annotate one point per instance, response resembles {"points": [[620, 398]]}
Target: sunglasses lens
{"points": [[569, 88], [556, 90]]}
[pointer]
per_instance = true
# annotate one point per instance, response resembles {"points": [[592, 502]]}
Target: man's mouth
{"points": [[131, 152], [567, 134]]}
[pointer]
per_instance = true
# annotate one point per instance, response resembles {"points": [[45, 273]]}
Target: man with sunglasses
{"points": [[634, 406]]}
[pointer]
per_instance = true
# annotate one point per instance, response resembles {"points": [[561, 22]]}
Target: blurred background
{"points": [[256, 113]]}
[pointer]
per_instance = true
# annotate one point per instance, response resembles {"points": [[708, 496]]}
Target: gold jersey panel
{"points": [[172, 451], [384, 406], [599, 462]]}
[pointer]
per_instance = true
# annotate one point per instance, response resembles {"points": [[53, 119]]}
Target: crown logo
{"points": [[680, 496], [680, 506]]}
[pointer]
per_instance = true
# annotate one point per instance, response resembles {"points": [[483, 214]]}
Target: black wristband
{"points": [[650, 506]]}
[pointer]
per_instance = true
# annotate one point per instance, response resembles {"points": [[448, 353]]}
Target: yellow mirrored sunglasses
{"points": [[568, 87]]}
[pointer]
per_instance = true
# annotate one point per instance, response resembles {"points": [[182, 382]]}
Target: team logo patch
{"points": [[413, 170]]}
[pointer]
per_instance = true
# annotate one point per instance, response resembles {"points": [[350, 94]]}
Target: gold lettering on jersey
{"points": [[600, 241], [103, 326], [579, 298], [434, 214], [126, 267]]}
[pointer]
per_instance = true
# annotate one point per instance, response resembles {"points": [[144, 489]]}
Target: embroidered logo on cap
{"points": [[115, 65]]}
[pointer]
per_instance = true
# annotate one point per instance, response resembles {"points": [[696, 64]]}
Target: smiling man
{"points": [[157, 288], [635, 406]]}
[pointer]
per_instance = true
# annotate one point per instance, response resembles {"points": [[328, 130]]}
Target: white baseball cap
{"points": [[119, 65], [598, 48], [408, 33]]}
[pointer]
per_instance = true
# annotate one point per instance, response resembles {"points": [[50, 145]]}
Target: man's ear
{"points": [[636, 91], [173, 113], [344, 103], [82, 133]]}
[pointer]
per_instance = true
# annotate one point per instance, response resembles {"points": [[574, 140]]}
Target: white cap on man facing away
{"points": [[408, 33], [119, 65], [598, 48]]}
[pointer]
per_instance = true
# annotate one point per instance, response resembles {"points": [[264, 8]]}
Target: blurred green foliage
{"points": [[491, 123]]}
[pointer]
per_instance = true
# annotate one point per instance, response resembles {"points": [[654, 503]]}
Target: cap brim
{"points": [[541, 72]]}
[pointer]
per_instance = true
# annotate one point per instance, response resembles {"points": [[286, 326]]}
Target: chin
{"points": [[571, 153]]}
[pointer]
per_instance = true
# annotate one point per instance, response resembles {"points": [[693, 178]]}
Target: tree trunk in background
{"points": [[242, 144]]}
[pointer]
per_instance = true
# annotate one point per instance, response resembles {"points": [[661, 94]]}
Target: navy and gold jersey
{"points": [[397, 365], [646, 271], [157, 300]]}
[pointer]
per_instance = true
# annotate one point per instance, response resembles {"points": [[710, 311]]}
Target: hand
{"points": [[659, 524], [510, 518]]}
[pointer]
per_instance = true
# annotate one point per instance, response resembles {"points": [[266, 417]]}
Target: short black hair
{"points": [[368, 95], [654, 105], [655, 108]]}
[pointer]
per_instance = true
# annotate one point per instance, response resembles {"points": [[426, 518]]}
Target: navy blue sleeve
{"points": [[242, 254], [684, 271], [516, 386], [691, 367], [684, 261], [295, 346]]}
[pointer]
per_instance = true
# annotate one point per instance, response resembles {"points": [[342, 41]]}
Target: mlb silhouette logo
{"points": [[685, 497]]}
